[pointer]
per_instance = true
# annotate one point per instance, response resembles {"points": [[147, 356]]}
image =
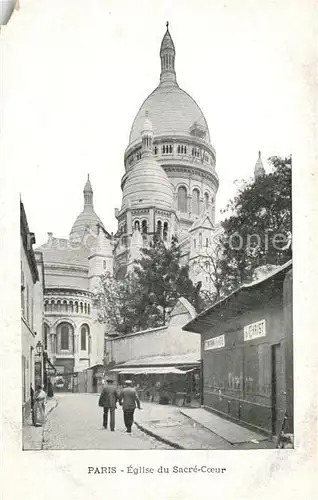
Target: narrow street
{"points": [[76, 424]]}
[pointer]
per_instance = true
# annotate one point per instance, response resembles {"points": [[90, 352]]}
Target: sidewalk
{"points": [[196, 429], [32, 437]]}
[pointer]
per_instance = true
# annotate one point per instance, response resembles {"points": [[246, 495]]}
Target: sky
{"points": [[75, 72]]}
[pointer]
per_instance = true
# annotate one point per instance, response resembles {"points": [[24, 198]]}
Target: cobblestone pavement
{"points": [[76, 424]]}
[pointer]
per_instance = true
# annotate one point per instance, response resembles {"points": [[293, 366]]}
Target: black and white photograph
{"points": [[151, 151]]}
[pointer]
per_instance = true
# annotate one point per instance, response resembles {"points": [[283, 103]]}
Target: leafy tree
{"points": [[117, 302], [162, 280], [209, 266], [258, 230]]}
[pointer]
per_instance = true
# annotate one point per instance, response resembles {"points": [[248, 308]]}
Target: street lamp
{"points": [[39, 348]]}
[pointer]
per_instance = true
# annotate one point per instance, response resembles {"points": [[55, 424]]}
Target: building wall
{"points": [[28, 338], [237, 377], [170, 340]]}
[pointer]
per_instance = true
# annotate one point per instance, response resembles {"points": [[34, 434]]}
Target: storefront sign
{"points": [[255, 330], [214, 343]]}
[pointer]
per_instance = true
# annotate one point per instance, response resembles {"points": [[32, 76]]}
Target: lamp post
{"points": [[42, 354]]}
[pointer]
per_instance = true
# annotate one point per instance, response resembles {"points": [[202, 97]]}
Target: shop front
{"points": [[164, 383], [246, 345]]}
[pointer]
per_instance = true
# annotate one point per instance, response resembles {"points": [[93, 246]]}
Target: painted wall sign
{"points": [[255, 330], [214, 343]]}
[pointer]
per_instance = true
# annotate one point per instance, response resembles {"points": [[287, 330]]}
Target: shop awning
{"points": [[150, 370]]}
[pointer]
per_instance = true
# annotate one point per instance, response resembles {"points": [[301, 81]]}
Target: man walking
{"points": [[108, 400], [128, 398]]}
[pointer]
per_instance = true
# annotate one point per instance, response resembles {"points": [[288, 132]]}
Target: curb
{"points": [[48, 413], [159, 438]]}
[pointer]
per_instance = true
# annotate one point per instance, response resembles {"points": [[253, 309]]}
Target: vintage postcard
{"points": [[155, 216]]}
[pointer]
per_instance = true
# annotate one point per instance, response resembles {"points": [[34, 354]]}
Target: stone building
{"points": [[170, 182], [31, 309], [73, 337]]}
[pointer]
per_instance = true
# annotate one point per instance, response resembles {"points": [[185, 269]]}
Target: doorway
{"points": [[278, 394]]}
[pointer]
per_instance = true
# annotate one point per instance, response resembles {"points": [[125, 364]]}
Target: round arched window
{"points": [[182, 199]]}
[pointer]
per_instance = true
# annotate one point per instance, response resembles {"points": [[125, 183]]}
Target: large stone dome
{"points": [[147, 184], [172, 112]]}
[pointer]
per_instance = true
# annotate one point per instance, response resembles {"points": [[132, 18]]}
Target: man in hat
{"points": [[108, 399], [128, 398]]}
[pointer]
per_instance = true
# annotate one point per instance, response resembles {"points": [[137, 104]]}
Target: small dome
{"points": [[147, 184], [86, 221]]}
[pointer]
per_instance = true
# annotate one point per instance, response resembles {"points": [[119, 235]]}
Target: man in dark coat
{"points": [[108, 399], [128, 398]]}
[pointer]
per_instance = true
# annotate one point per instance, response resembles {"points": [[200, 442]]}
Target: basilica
{"points": [[169, 188]]}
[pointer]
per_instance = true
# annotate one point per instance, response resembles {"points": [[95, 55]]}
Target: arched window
{"points": [[104, 264], [156, 150], [45, 306], [159, 228], [52, 306], [65, 337], [46, 336], [165, 231], [206, 201], [76, 307], [200, 240], [137, 225], [64, 309], [71, 306], [58, 306], [182, 199], [144, 227], [85, 308], [83, 338], [207, 242], [88, 309], [195, 201], [81, 307]]}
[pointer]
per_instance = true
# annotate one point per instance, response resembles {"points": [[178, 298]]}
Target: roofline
{"points": [[28, 239], [255, 283]]}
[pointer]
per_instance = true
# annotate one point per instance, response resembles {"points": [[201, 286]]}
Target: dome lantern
{"points": [[167, 56], [88, 193], [259, 170]]}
